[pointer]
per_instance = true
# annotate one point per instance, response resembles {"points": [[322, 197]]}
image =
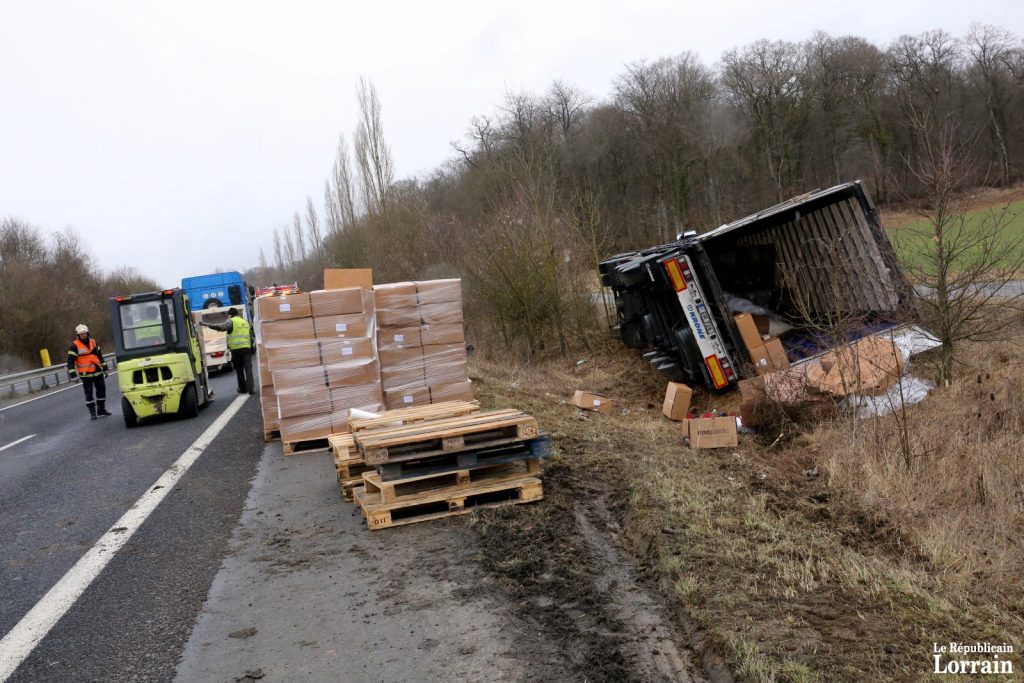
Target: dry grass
{"points": [[819, 559]]}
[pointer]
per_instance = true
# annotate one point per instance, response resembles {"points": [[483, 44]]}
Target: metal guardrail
{"points": [[40, 379]]}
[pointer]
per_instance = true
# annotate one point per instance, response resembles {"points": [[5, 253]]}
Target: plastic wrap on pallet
{"points": [[326, 302], [270, 308], [395, 338], [305, 427], [440, 314], [362, 396], [298, 401], [341, 350], [341, 326], [439, 292], [297, 354], [444, 363], [340, 419], [353, 372], [266, 378], [406, 398], [456, 391], [268, 406], [398, 317], [297, 378], [283, 332], [399, 379], [401, 359], [444, 333], [395, 295]]}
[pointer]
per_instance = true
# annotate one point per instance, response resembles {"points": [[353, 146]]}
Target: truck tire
{"points": [[212, 303], [189, 406], [130, 420]]}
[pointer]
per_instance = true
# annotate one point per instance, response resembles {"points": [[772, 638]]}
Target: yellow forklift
{"points": [[160, 359]]}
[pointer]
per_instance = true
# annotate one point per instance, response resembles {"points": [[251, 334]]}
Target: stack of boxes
{"points": [[765, 351], [318, 350], [421, 343]]}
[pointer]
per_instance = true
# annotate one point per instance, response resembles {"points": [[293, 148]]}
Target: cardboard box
{"points": [[298, 378], [395, 295], [398, 317], [870, 366], [296, 354], [406, 398], [401, 359], [444, 333], [354, 372], [391, 338], [305, 427], [365, 396], [288, 307], [441, 314], [326, 302], [712, 432], [589, 401], [266, 379], [456, 391], [340, 350], [340, 326], [346, 278], [748, 332], [278, 332], [439, 292], [677, 401], [294, 402], [407, 377]]}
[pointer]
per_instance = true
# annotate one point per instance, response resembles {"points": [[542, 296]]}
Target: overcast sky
{"points": [[173, 137]]}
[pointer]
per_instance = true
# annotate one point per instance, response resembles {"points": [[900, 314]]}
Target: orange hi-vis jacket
{"points": [[87, 359]]}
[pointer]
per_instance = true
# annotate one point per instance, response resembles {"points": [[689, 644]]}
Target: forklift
{"points": [[160, 360]]}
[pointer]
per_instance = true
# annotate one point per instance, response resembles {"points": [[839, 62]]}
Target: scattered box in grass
{"points": [[589, 401], [677, 401], [712, 432]]}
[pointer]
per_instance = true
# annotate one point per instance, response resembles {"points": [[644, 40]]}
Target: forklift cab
{"points": [[161, 364]]}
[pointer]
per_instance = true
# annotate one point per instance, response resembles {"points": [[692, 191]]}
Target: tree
{"points": [[373, 155]]}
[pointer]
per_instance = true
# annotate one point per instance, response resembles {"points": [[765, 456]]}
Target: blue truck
{"points": [[218, 289]]}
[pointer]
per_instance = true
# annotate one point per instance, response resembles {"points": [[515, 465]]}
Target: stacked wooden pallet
{"points": [[417, 465]]}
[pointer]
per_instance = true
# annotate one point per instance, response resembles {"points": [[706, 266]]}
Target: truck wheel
{"points": [[130, 420], [189, 402], [212, 303]]}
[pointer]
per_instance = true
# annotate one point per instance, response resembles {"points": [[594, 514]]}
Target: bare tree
{"points": [[373, 155], [313, 230], [339, 196], [300, 238], [991, 51]]}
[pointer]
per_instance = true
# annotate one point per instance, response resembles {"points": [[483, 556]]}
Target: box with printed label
{"points": [[406, 398], [359, 371], [392, 338], [711, 432], [326, 302], [339, 350], [340, 326], [589, 401], [296, 354], [270, 308], [278, 332], [439, 292]]}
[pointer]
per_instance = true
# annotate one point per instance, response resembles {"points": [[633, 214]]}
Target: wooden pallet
{"points": [[405, 416], [423, 439], [343, 446], [531, 449], [513, 490], [271, 435], [415, 488], [304, 446]]}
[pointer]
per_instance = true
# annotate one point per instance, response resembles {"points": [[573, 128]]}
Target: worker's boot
{"points": [[101, 408], [92, 411]]}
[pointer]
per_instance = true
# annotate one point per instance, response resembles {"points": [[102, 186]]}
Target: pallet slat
{"points": [[424, 486], [531, 449], [404, 416]]}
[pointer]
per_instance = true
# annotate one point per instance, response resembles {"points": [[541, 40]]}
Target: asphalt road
{"points": [[64, 487]]}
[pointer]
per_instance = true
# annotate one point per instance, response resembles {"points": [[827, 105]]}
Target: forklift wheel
{"points": [[189, 402], [130, 420]]}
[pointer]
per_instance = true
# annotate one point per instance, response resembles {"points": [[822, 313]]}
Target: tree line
{"points": [[549, 183], [48, 285]]}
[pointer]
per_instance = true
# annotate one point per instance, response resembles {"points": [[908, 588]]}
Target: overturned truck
{"points": [[816, 271]]}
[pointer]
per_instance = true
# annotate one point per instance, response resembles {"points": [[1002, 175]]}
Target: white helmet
{"points": [[81, 329]]}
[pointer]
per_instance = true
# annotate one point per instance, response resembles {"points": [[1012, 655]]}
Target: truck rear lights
{"points": [[717, 373], [675, 274]]}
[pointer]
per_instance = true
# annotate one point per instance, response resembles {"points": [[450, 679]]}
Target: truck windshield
{"points": [[142, 325]]}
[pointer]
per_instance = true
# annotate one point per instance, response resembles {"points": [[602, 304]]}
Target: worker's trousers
{"points": [[98, 386], [242, 360]]}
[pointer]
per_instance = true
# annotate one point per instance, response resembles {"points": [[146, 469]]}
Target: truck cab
{"points": [[815, 264], [218, 290], [162, 368]]}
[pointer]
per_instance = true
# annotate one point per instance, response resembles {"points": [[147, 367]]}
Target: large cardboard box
{"points": [[266, 379], [439, 292], [443, 333], [340, 350], [294, 402], [456, 391], [748, 331], [354, 372], [278, 332], [326, 302], [405, 377], [340, 326], [392, 338], [677, 401], [395, 295], [712, 432], [401, 359], [297, 354], [346, 278], [590, 401], [776, 354], [288, 307], [441, 314], [305, 427], [398, 317], [364, 396], [298, 378], [406, 398]]}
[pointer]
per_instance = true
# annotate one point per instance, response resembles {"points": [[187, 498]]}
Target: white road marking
{"points": [[18, 644], [15, 443], [46, 395]]}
